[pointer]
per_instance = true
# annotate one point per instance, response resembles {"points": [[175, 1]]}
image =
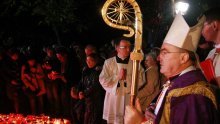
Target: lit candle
{"points": [[57, 121]]}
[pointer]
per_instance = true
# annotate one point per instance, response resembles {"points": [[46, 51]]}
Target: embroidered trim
{"points": [[150, 121], [199, 88]]}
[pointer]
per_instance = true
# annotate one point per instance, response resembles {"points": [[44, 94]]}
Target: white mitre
{"points": [[183, 36]]}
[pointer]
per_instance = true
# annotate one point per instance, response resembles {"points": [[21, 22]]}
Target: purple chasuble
{"points": [[192, 108]]}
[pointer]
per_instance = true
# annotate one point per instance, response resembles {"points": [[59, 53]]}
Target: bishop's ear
{"points": [[184, 57]]}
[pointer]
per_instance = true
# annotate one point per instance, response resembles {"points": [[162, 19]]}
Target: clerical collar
{"points": [[217, 46], [125, 61], [173, 77], [190, 68]]}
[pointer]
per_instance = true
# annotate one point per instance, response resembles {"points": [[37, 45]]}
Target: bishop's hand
{"points": [[133, 115]]}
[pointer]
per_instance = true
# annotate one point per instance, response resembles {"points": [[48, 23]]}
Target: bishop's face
{"points": [[170, 60]]}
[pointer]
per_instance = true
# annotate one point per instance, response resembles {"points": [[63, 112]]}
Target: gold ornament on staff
{"points": [[126, 15]]}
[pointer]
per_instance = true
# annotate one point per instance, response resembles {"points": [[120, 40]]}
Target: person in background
{"points": [[211, 33], [51, 64], [68, 76], [91, 91], [12, 77], [89, 49], [154, 79], [32, 76], [115, 78], [203, 49], [186, 97]]}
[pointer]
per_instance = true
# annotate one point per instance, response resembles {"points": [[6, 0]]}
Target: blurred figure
{"points": [[12, 77], [211, 33], [203, 49], [68, 76], [78, 52], [154, 80], [91, 91], [51, 64], [78, 109], [33, 78], [89, 49]]}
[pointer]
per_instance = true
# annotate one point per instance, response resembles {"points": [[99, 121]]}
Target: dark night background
{"points": [[40, 22]]}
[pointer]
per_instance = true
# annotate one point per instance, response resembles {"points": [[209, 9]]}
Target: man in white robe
{"points": [[115, 78]]}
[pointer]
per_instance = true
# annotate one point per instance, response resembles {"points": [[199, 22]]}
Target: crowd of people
{"points": [[56, 80], [92, 86]]}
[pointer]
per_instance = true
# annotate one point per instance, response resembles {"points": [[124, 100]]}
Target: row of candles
{"points": [[30, 119]]}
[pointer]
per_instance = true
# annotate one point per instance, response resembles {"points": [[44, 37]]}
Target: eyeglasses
{"points": [[164, 52], [125, 47]]}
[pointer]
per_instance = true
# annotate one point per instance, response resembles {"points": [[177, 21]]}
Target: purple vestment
{"points": [[192, 108]]}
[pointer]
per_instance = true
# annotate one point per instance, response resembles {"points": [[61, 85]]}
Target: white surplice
{"points": [[117, 96]]}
